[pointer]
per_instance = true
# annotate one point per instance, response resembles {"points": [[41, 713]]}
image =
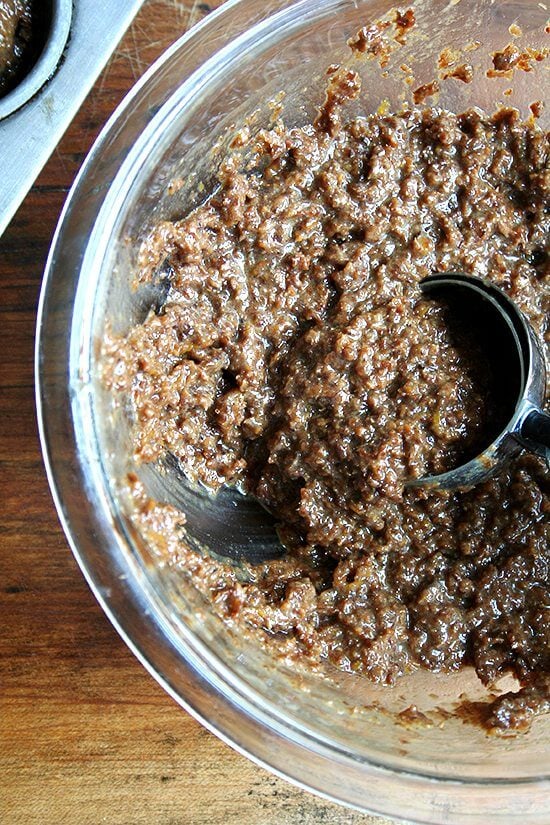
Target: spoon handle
{"points": [[536, 427]]}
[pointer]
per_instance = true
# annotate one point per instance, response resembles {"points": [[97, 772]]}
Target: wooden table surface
{"points": [[87, 736]]}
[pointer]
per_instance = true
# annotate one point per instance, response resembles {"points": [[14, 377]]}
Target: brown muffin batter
{"points": [[296, 357], [23, 31]]}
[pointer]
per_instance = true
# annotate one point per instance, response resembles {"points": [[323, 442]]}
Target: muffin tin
{"points": [[35, 114]]}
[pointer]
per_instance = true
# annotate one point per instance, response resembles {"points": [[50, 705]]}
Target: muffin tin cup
{"points": [[47, 63]]}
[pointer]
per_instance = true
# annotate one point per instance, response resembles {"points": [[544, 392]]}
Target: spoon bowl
{"points": [[518, 363]]}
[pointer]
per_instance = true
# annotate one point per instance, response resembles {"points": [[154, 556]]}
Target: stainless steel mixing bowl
{"points": [[335, 734]]}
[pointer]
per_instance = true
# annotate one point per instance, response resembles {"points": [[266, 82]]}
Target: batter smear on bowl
{"points": [[296, 357]]}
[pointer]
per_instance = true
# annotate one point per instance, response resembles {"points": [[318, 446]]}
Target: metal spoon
{"points": [[238, 528], [517, 359]]}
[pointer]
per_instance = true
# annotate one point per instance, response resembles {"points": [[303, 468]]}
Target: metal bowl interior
{"points": [[333, 733]]}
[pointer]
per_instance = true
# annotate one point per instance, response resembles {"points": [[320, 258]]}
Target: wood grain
{"points": [[87, 736]]}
